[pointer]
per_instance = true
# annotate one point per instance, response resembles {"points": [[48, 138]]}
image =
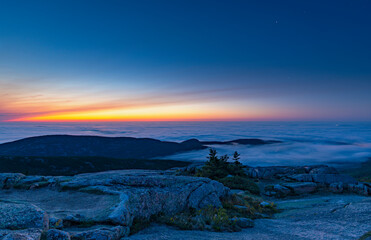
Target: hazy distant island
{"points": [[91, 187]]}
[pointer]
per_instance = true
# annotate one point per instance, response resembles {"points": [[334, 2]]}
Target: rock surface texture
{"points": [[307, 179], [22, 216], [342, 217], [107, 205], [112, 198]]}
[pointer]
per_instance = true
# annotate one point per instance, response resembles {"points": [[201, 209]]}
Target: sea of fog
{"points": [[302, 142]]}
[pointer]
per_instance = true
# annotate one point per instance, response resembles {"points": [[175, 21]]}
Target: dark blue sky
{"points": [[265, 59]]}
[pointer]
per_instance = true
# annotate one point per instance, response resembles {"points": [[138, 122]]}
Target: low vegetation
{"points": [[366, 236], [231, 174], [361, 173], [244, 205], [239, 182], [220, 219], [66, 166], [211, 218]]}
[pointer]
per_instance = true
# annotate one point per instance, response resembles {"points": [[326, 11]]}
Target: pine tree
{"points": [[215, 168], [236, 157], [236, 168]]}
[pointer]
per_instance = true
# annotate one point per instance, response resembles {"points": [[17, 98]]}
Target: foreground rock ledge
{"points": [[109, 199]]}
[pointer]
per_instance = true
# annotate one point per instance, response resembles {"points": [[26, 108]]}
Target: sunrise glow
{"points": [[102, 63]]}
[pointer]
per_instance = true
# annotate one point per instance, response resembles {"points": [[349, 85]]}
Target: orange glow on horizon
{"points": [[160, 113], [45, 102]]}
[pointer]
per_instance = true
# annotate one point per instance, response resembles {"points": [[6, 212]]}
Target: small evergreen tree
{"points": [[236, 157], [230, 174], [236, 169], [215, 168]]}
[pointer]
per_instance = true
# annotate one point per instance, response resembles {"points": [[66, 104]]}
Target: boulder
{"points": [[301, 187], [292, 188], [359, 188], [333, 178], [146, 193], [106, 233], [26, 234], [18, 236], [301, 177], [32, 182], [206, 194], [273, 172], [121, 214], [22, 216], [28, 180], [325, 179], [114, 197], [277, 190], [8, 180], [54, 234], [74, 218]]}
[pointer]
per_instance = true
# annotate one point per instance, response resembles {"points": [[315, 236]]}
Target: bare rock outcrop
{"points": [[26, 234], [307, 179], [22, 216], [111, 233], [115, 198], [145, 193], [54, 234]]}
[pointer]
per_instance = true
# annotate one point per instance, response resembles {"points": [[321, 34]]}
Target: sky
{"points": [[185, 60]]}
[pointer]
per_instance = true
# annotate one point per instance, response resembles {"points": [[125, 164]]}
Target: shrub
{"points": [[230, 174], [139, 224], [216, 219], [209, 218], [247, 206], [243, 183], [365, 236], [217, 168], [362, 173]]}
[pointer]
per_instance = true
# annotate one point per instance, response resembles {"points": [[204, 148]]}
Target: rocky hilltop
{"points": [[110, 205], [314, 217], [97, 205]]}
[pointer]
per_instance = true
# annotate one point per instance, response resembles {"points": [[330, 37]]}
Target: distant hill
{"points": [[94, 146], [110, 147], [249, 141], [69, 155]]}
